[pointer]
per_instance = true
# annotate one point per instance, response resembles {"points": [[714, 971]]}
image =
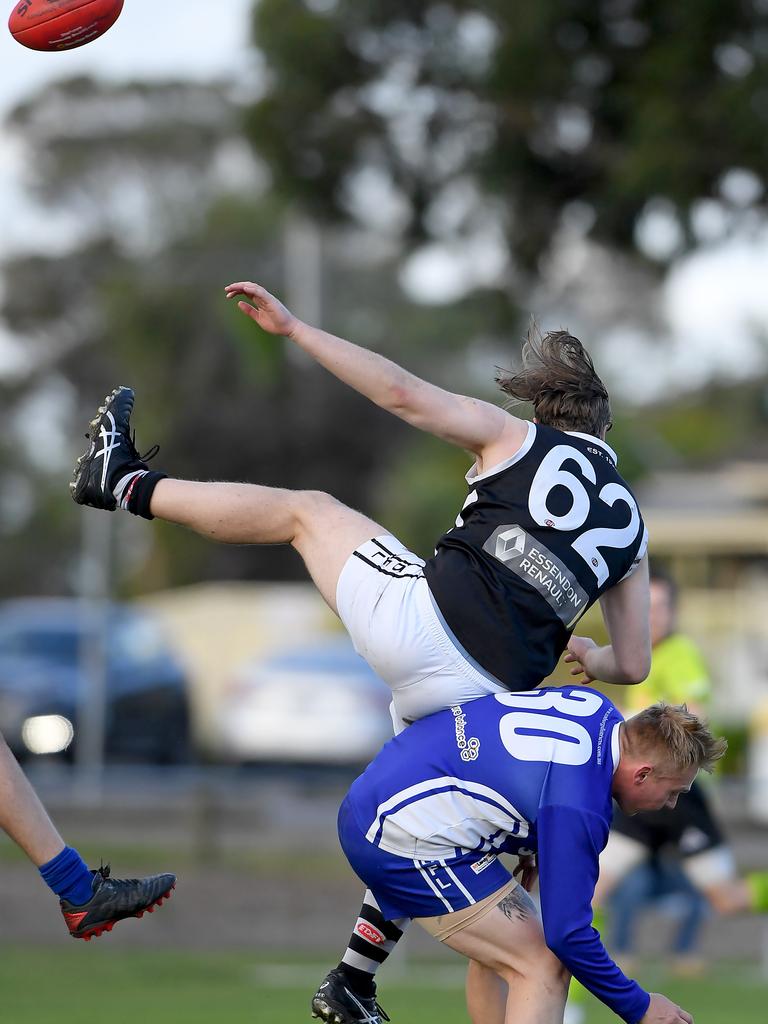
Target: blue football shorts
{"points": [[419, 888]]}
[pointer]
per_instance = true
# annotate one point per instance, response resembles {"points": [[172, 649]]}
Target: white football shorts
{"points": [[383, 600]]}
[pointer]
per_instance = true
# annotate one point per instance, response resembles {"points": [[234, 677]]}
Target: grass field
{"points": [[69, 986]]}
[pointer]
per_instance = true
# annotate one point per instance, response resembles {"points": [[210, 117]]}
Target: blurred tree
{"points": [[133, 294], [138, 161], [650, 115], [393, 124]]}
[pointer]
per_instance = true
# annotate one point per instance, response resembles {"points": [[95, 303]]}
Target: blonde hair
{"points": [[559, 378], [681, 737]]}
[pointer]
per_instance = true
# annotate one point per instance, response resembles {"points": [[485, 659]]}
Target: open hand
{"points": [[268, 312], [578, 649], [663, 1011]]}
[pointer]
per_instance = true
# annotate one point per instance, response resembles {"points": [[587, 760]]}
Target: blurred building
{"points": [[711, 528], [218, 627]]}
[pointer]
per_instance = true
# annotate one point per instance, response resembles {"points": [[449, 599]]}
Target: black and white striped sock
{"points": [[372, 940]]}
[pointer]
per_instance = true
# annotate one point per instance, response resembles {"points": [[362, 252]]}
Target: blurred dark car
{"points": [[43, 680], [319, 705]]}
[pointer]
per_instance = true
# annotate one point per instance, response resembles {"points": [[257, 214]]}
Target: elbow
{"points": [[408, 397], [399, 399], [635, 669], [558, 945], [398, 396], [556, 938]]}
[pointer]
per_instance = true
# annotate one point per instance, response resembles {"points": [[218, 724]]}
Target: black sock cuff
{"points": [[361, 982], [141, 496]]}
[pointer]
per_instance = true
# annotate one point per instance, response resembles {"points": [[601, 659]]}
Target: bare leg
{"points": [[22, 815], [713, 873], [510, 942], [486, 995], [732, 897], [324, 531]]}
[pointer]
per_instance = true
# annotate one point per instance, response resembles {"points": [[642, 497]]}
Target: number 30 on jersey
{"points": [[531, 735]]}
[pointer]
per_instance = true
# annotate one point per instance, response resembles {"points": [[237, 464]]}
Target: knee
{"points": [[548, 980], [551, 973], [313, 508], [728, 898], [540, 967]]}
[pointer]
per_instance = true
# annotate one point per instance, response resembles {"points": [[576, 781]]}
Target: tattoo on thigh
{"points": [[518, 904]]}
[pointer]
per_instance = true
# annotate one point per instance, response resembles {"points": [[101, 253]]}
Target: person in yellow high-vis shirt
{"points": [[690, 831], [679, 674]]}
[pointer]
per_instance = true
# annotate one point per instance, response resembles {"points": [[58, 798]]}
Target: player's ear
{"points": [[642, 773]]}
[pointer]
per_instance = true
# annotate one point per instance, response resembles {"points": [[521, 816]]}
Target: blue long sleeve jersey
{"points": [[511, 772]]}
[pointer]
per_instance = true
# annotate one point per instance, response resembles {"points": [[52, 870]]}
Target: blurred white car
{"points": [[318, 705]]}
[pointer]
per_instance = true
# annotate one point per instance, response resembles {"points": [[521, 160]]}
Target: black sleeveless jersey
{"points": [[541, 536]]}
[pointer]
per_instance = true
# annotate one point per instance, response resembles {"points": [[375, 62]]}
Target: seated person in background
{"points": [[690, 830], [658, 884]]}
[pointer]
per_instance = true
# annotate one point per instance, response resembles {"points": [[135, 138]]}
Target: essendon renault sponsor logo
{"points": [[534, 563], [370, 933]]}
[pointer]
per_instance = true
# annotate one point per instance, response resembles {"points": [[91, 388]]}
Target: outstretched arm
{"points": [[466, 422], [627, 659]]}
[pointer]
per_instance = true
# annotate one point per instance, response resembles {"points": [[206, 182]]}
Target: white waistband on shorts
{"points": [[456, 643]]}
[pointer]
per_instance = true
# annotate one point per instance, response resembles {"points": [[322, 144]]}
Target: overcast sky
{"points": [[177, 37], [713, 301], [195, 37]]}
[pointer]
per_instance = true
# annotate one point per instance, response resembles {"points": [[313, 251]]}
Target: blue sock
{"points": [[69, 877]]}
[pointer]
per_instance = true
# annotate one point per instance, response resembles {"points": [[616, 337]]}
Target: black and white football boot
{"points": [[111, 460], [335, 1003]]}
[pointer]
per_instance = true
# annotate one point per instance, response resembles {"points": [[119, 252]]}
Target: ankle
{"points": [[138, 495], [361, 982]]}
